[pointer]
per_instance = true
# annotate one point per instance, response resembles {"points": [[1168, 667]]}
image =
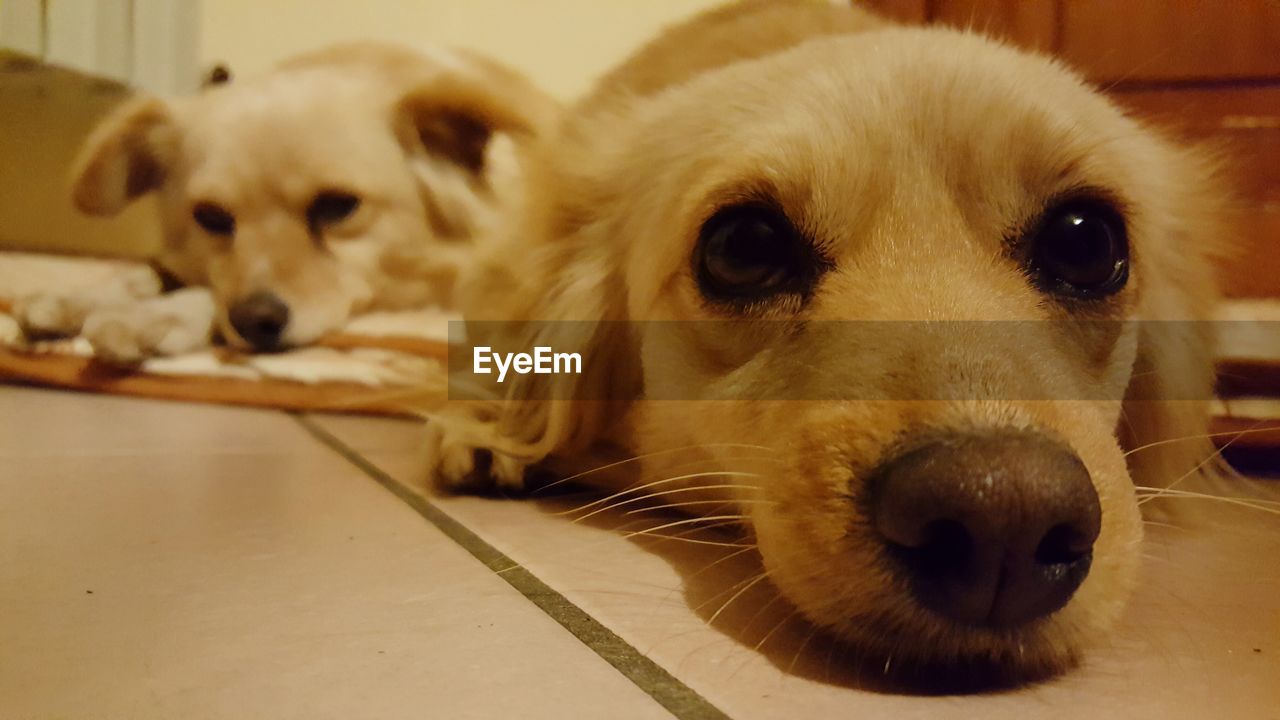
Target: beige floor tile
{"points": [[49, 422], [374, 434], [1201, 639], [276, 581]]}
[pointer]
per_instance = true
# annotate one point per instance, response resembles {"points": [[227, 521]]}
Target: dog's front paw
{"points": [[459, 460], [172, 324], [50, 315], [115, 339], [64, 314]]}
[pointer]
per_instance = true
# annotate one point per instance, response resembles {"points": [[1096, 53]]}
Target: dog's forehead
{"points": [[325, 128], [913, 123], [901, 106], [280, 102]]}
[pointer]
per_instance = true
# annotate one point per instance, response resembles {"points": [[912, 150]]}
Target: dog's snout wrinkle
{"points": [[991, 530], [260, 319]]}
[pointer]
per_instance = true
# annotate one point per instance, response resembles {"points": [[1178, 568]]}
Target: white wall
{"points": [[562, 44]]}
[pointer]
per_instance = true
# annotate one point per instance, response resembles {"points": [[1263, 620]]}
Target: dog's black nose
{"points": [[260, 319], [991, 530]]}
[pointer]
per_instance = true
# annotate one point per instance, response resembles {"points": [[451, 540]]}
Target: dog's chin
{"points": [[913, 650], [894, 640]]}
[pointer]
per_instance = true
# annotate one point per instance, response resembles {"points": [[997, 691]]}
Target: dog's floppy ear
{"points": [[447, 117], [567, 293], [1166, 409], [128, 155]]}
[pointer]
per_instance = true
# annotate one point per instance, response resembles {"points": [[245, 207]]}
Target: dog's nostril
{"points": [[260, 319], [1063, 545], [993, 530], [943, 544], [268, 326]]}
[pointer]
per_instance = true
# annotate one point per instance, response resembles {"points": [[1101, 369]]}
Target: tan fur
{"points": [[407, 133], [911, 154]]}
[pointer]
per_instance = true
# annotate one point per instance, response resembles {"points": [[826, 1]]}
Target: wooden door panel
{"points": [[1028, 23], [1165, 41], [1251, 268], [1244, 121]]}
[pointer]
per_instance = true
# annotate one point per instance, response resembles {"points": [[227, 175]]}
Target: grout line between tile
{"points": [[679, 699]]}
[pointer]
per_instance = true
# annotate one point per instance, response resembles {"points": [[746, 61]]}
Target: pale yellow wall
{"points": [[562, 44]]}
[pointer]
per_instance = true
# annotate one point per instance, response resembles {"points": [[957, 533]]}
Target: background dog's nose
{"points": [[992, 530], [260, 319]]}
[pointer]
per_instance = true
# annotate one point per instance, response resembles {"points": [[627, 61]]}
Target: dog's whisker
{"points": [[704, 528], [678, 478], [1145, 491], [690, 521], [1190, 473], [1266, 506], [693, 541], [1206, 436], [727, 557], [740, 593], [703, 605], [690, 503], [658, 453], [813, 630], [781, 624], [764, 607], [650, 496]]}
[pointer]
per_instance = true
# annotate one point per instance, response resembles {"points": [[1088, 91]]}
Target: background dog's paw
{"points": [[457, 462], [50, 316], [168, 325], [115, 339], [64, 314]]}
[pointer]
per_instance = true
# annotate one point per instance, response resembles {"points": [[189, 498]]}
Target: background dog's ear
{"points": [[447, 119], [455, 111], [128, 155]]}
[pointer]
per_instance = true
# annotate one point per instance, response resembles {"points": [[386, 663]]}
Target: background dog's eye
{"points": [[214, 220], [750, 252], [1080, 249], [331, 207]]}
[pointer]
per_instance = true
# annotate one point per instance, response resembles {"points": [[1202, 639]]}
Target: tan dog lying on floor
{"points": [[774, 172], [347, 180]]}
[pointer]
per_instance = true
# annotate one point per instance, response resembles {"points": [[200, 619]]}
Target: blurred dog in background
{"points": [[351, 179]]}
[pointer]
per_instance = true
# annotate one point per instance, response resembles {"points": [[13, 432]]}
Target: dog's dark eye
{"points": [[330, 208], [748, 252], [214, 220], [1080, 249]]}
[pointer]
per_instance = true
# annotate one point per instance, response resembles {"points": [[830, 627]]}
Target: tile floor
{"points": [[160, 560]]}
